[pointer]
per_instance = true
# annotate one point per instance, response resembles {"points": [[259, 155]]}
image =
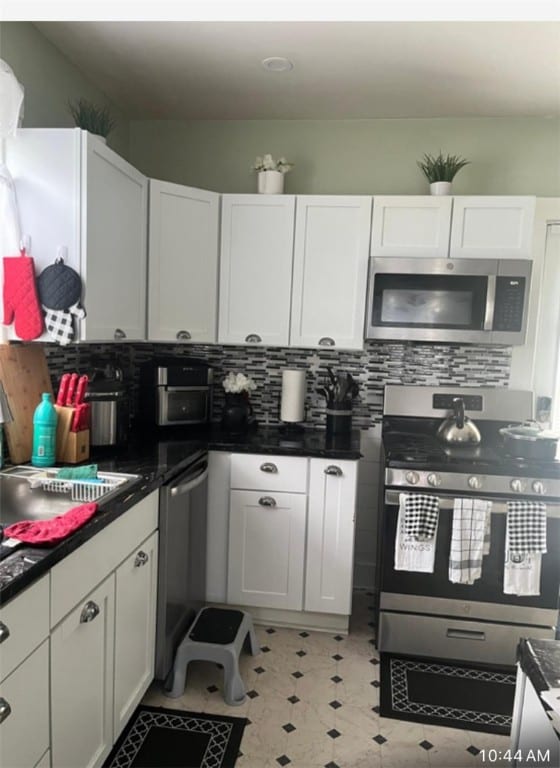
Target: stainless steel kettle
{"points": [[458, 428]]}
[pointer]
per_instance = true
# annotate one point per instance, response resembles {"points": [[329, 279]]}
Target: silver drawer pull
{"points": [[4, 632], [267, 501], [119, 334], [253, 338], [326, 341], [5, 709], [141, 559], [333, 470], [91, 610], [466, 634], [268, 466], [183, 335]]}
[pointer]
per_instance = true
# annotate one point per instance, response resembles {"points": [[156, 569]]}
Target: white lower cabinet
{"points": [[330, 536]]}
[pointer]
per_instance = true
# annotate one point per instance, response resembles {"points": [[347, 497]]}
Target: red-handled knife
{"points": [[71, 389], [63, 389], [81, 389]]}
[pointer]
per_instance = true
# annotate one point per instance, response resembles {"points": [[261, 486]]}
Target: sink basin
{"points": [[28, 493]]}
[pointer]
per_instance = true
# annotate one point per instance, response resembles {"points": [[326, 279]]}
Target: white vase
{"points": [[440, 188], [270, 182]]}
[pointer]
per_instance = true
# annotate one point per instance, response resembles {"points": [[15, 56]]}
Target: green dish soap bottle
{"points": [[44, 433]]}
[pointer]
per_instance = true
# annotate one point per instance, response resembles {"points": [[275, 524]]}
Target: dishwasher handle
{"points": [[179, 490]]}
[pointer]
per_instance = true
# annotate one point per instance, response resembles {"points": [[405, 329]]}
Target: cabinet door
{"points": [[492, 227], [330, 271], [330, 536], [135, 629], [266, 549], [24, 732], [256, 269], [415, 225], [82, 647], [183, 263], [114, 223]]}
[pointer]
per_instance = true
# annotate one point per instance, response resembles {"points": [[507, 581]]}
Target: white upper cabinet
{"points": [[492, 227], [412, 225], [183, 263], [256, 269], [330, 271]]}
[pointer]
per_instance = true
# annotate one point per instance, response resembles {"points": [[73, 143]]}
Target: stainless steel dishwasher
{"points": [[182, 557]]}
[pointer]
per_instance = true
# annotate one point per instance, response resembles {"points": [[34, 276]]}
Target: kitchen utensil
{"points": [[80, 417], [529, 441], [71, 389], [81, 389], [109, 402], [458, 428], [63, 389]]}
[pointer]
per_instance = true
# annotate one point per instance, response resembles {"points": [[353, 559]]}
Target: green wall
{"points": [[50, 80], [508, 156]]}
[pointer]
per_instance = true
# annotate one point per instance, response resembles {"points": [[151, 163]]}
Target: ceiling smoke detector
{"points": [[277, 64]]}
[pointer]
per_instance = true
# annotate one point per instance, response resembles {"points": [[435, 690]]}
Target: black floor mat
{"points": [[476, 698]]}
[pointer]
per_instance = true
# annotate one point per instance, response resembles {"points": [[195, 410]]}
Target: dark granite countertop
{"points": [[540, 660], [159, 456]]}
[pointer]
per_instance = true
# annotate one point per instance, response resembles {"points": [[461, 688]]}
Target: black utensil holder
{"points": [[339, 421]]}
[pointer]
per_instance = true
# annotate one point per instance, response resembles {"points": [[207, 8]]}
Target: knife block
{"points": [[71, 447]]}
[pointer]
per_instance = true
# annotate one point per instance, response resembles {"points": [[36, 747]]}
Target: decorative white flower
{"points": [[237, 383], [268, 163]]}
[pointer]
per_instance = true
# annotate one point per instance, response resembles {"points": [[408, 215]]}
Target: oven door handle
{"points": [[498, 507]]}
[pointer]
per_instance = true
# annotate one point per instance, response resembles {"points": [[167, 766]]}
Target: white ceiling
{"points": [[212, 70]]}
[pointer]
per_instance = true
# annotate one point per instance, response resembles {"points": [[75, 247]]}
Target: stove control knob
{"points": [[516, 486], [538, 487], [474, 482], [412, 477], [434, 479]]}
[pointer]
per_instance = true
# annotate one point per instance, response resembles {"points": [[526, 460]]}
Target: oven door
{"points": [[183, 405]]}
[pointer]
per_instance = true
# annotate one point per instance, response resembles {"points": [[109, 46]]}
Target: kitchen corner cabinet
{"points": [[75, 192], [331, 250], [183, 263], [330, 536], [411, 225], [256, 269]]}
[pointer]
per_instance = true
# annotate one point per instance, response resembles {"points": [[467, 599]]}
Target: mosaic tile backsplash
{"points": [[378, 364]]}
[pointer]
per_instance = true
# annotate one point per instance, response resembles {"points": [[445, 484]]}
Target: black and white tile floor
{"points": [[313, 703]]}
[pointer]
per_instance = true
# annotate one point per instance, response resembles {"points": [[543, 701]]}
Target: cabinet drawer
{"points": [[79, 573], [24, 734], [24, 623], [269, 473]]}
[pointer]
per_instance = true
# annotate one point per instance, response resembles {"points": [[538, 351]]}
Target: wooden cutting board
{"points": [[25, 376]]}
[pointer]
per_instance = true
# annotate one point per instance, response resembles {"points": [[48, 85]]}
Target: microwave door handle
{"points": [[490, 303]]}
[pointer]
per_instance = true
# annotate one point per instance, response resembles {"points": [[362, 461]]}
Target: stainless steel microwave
{"points": [[450, 300]]}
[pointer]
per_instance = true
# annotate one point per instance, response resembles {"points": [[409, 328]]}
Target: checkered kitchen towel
{"points": [[421, 514], [470, 539], [526, 527]]}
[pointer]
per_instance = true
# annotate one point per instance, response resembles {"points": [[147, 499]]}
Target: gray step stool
{"points": [[217, 634]]}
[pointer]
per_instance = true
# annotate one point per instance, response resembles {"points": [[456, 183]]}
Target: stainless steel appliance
{"points": [[425, 614], [110, 408], [182, 555], [176, 391], [449, 300]]}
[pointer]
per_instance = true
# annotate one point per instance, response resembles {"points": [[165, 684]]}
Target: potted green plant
{"points": [[90, 117], [440, 171], [271, 174]]}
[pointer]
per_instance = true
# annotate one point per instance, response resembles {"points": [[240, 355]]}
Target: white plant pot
{"points": [[440, 188], [271, 182]]}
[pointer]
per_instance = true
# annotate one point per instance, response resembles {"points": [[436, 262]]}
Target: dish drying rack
{"points": [[79, 490]]}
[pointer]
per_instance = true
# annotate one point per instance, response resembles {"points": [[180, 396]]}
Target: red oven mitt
{"points": [[21, 300], [51, 531]]}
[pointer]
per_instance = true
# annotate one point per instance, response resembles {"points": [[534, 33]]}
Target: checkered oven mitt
{"points": [[60, 289]]}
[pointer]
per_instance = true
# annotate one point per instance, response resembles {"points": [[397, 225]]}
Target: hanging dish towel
{"points": [[421, 516], [525, 544], [470, 539], [411, 553]]}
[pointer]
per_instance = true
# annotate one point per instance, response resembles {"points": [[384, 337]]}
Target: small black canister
{"points": [[339, 418]]}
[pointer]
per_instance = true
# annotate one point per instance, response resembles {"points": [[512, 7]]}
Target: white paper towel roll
{"points": [[293, 396]]}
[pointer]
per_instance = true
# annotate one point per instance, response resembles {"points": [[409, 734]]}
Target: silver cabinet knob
{"points": [[412, 478], [267, 501], [434, 479], [538, 487], [141, 559], [183, 335], [474, 482], [333, 470], [269, 467], [253, 338], [5, 709], [4, 632], [516, 485], [119, 334], [326, 341], [90, 611]]}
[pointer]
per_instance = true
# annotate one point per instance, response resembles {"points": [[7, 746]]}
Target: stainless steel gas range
{"points": [[424, 613]]}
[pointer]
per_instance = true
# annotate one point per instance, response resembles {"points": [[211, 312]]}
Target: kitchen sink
{"points": [[29, 493]]}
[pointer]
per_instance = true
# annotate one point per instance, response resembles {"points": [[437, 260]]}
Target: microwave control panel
{"points": [[508, 306]]}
